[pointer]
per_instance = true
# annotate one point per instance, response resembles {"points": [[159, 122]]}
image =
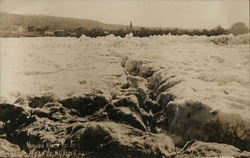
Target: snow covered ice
{"points": [[201, 84]]}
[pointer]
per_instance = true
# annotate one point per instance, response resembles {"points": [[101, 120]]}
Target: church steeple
{"points": [[130, 25]]}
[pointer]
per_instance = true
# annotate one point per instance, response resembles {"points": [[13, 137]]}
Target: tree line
{"points": [[236, 29]]}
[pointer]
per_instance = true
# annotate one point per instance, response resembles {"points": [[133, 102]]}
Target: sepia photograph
{"points": [[124, 79]]}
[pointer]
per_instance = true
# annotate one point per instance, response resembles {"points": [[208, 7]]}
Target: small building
{"points": [[59, 33], [18, 29], [70, 33], [106, 32], [49, 33], [30, 28]]}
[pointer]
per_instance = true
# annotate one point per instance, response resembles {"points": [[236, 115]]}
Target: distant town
{"points": [[14, 25]]}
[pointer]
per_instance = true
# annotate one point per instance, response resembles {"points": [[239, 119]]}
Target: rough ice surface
{"points": [[61, 66], [69, 66], [10, 150], [185, 87]]}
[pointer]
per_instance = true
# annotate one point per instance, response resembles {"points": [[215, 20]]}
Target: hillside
{"points": [[7, 21]]}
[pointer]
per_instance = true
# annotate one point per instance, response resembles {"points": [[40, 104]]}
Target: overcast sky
{"points": [[168, 13]]}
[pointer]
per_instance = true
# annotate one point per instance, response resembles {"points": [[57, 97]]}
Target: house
{"points": [[30, 28], [49, 33], [71, 33], [18, 29], [59, 33]]}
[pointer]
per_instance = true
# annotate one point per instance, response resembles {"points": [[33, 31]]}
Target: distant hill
{"points": [[16, 25], [8, 21]]}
